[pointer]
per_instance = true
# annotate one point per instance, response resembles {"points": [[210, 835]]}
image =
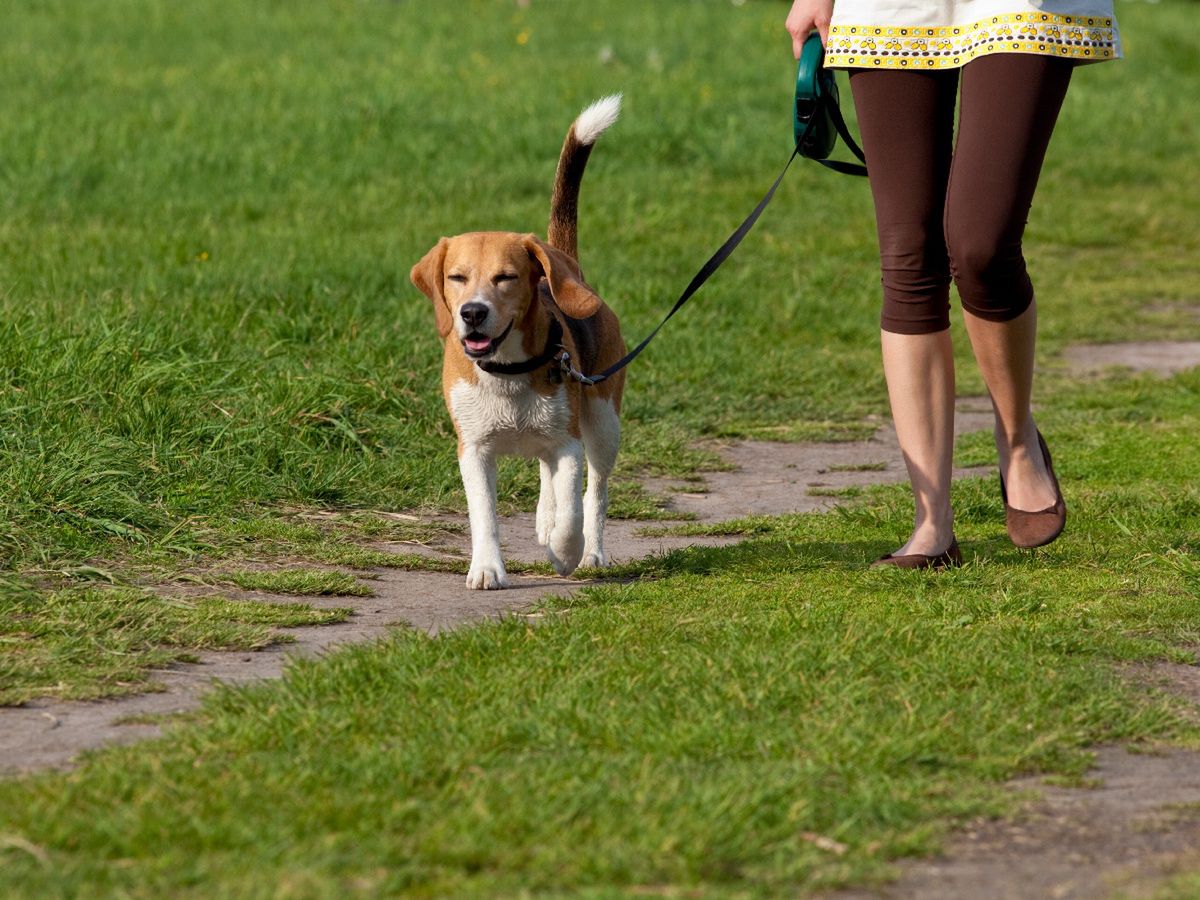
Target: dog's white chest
{"points": [[508, 416]]}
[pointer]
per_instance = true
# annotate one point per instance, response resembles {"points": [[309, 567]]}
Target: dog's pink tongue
{"points": [[477, 345]]}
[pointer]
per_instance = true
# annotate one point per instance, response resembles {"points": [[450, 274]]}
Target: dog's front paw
{"points": [[487, 578], [565, 551], [594, 559]]}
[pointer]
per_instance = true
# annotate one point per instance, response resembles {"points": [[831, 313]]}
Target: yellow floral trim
{"points": [[891, 47]]}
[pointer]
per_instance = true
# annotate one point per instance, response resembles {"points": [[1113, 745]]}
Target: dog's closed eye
{"points": [[457, 278], [503, 277]]}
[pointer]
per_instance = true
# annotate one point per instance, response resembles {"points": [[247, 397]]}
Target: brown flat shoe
{"points": [[1036, 529], [951, 556]]}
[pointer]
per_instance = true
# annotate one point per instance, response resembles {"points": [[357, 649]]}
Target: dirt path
{"points": [[1071, 843], [770, 478], [1140, 823]]}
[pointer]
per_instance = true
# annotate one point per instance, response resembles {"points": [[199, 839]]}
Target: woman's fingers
{"points": [[805, 15]]}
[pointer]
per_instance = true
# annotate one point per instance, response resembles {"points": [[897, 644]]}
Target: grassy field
{"points": [[207, 220], [207, 216]]}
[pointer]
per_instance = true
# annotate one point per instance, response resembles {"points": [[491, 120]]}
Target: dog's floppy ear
{"points": [[573, 297], [427, 276]]}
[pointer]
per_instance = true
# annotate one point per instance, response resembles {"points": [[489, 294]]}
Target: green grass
{"points": [[208, 342], [860, 467], [207, 216], [745, 526], [690, 730], [205, 237], [842, 492], [88, 642], [1179, 887]]}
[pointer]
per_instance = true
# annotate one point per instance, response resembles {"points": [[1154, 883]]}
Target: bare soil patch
{"points": [[775, 479], [1158, 357], [1138, 823]]}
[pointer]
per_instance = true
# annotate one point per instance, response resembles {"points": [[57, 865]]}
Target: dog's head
{"points": [[484, 283]]}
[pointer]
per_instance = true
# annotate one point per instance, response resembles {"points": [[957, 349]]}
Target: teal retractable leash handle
{"points": [[817, 120]]}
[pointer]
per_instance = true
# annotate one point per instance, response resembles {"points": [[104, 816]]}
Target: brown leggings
{"points": [[946, 209]]}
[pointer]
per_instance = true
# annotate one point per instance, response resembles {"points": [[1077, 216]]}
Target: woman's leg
{"points": [[1009, 105], [906, 120], [919, 369]]}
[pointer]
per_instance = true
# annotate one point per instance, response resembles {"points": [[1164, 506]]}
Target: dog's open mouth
{"points": [[478, 345]]}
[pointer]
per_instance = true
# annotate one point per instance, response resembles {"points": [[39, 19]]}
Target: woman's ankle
{"points": [[930, 536], [1023, 470]]}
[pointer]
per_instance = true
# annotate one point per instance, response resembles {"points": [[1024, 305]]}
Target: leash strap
{"points": [[733, 240], [835, 113], [706, 271]]}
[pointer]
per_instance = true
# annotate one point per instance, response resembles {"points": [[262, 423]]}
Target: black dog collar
{"points": [[548, 354]]}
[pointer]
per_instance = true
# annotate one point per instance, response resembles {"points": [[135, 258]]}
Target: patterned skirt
{"points": [[943, 34]]}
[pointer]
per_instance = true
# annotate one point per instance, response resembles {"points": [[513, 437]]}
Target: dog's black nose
{"points": [[473, 313]]}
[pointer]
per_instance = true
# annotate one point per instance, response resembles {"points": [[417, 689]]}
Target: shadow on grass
{"points": [[775, 555]]}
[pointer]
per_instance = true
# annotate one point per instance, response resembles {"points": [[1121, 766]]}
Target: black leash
{"points": [[706, 271], [835, 113], [723, 252]]}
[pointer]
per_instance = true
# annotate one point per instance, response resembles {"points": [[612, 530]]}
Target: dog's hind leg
{"points": [[545, 507], [565, 544], [478, 468], [601, 439]]}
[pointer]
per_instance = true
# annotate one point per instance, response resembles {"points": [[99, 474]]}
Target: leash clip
{"points": [[565, 368]]}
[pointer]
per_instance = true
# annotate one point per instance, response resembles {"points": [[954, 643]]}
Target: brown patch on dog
{"points": [[427, 275], [571, 293]]}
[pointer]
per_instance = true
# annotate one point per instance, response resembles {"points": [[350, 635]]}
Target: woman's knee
{"points": [[916, 278], [989, 272]]}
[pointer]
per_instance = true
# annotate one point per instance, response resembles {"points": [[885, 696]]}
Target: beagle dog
{"points": [[506, 306]]}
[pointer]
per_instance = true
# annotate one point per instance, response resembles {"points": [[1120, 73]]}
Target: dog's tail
{"points": [[564, 204]]}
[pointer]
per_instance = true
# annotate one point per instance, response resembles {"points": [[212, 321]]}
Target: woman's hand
{"points": [[804, 17]]}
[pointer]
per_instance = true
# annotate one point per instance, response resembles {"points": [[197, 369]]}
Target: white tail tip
{"points": [[597, 118]]}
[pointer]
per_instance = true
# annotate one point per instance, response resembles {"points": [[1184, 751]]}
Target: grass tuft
{"points": [[312, 582], [88, 642]]}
